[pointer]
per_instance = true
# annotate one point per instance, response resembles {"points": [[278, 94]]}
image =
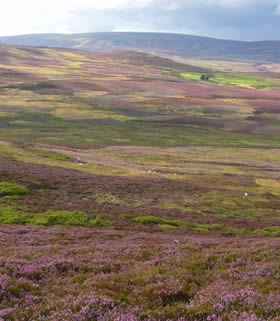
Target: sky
{"points": [[226, 19]]}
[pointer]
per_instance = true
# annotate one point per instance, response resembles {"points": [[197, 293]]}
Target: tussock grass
{"points": [[11, 189], [10, 215]]}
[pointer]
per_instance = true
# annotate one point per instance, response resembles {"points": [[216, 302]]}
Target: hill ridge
{"points": [[166, 43]]}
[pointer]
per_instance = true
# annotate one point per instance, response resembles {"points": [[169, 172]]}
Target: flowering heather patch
{"points": [[77, 273]]}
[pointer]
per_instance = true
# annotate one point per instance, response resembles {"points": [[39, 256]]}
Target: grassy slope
{"points": [[181, 178], [183, 45]]}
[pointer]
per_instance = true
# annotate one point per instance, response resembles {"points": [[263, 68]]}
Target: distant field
{"points": [[236, 80]]}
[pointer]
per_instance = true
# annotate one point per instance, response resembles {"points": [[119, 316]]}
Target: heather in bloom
{"points": [[76, 273]]}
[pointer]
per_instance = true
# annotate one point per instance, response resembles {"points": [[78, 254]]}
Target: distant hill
{"points": [[30, 56], [160, 43]]}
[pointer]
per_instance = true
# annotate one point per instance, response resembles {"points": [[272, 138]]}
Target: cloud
{"points": [[277, 10], [233, 19]]}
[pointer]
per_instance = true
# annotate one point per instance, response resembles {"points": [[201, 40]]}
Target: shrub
{"points": [[207, 76]]}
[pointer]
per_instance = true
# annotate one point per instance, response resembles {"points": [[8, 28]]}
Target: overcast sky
{"points": [[228, 19]]}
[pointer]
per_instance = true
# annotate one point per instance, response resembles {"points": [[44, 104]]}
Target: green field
{"points": [[235, 80]]}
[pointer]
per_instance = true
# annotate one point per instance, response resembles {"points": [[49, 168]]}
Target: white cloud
{"points": [[34, 16], [82, 4], [172, 6], [222, 18]]}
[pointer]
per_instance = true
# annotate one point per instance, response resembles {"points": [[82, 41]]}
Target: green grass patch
{"points": [[11, 189], [205, 228], [271, 230], [10, 197], [54, 156], [10, 215], [161, 222], [234, 80], [235, 212], [52, 217]]}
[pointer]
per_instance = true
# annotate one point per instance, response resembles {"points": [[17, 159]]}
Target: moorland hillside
{"points": [[160, 43], [138, 188]]}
